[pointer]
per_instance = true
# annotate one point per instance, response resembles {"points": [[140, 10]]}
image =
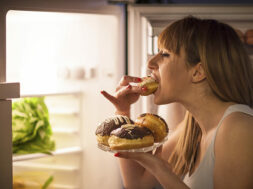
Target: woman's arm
{"points": [[156, 170], [133, 173], [234, 153], [136, 176]]}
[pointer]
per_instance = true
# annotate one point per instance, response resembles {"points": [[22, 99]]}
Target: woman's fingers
{"points": [[109, 97], [124, 88], [147, 160], [123, 97], [123, 91], [125, 80], [158, 151], [132, 155]]}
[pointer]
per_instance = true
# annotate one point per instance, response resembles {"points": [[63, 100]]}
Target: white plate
{"points": [[145, 149]]}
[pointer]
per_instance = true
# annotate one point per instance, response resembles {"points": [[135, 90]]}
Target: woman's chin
{"points": [[158, 101]]}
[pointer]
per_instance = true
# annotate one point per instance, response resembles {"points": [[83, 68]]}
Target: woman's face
{"points": [[171, 72]]}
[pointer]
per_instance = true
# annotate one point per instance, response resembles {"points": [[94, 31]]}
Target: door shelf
{"points": [[63, 151]]}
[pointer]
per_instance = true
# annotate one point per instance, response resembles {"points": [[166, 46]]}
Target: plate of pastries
{"points": [[120, 133]]}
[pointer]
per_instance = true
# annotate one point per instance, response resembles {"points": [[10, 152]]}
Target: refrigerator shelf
{"points": [[48, 93], [41, 166], [63, 151], [52, 186], [60, 186], [64, 131], [64, 112]]}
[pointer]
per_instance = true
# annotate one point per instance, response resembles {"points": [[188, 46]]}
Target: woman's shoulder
{"points": [[233, 151], [237, 121], [235, 130]]}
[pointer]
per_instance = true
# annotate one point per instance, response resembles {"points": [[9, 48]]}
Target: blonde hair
{"points": [[228, 71]]}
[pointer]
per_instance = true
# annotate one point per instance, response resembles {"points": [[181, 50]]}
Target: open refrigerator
{"points": [[65, 53], [69, 52]]}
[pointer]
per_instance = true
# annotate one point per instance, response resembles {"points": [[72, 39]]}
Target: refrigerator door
{"points": [[7, 92], [5, 143], [98, 67]]}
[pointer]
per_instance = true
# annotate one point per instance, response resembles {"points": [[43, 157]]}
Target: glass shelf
{"points": [[65, 131], [70, 150], [42, 166], [51, 93], [59, 186]]}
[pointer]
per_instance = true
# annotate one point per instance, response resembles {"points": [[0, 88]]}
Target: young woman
{"points": [[201, 64]]}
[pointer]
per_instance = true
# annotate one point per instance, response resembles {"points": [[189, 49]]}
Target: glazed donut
{"points": [[105, 128], [150, 83], [155, 123], [130, 136]]}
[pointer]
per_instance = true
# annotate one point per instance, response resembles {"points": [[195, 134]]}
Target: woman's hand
{"points": [[150, 161], [125, 94], [157, 166]]}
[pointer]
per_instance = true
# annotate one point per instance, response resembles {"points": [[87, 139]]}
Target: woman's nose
{"points": [[152, 62]]}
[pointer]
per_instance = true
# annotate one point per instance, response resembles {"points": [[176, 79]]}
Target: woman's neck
{"points": [[207, 111]]}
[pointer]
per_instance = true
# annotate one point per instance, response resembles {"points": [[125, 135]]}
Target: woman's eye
{"points": [[165, 54]]}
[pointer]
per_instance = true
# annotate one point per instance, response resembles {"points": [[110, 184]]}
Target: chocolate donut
{"points": [[105, 128], [155, 123], [151, 85], [130, 136]]}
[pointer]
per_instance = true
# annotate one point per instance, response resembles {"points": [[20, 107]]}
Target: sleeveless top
{"points": [[202, 177]]}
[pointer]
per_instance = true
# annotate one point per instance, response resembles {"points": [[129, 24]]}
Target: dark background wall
{"points": [[196, 1]]}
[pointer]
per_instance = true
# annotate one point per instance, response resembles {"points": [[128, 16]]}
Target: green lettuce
{"points": [[31, 127], [48, 182]]}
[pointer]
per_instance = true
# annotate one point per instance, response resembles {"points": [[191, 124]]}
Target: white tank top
{"points": [[202, 177]]}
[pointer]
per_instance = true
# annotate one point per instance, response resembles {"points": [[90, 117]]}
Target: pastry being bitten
{"points": [[105, 128], [151, 85], [130, 136], [155, 123]]}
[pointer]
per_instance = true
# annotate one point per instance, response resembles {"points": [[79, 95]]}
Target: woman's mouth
{"points": [[154, 77], [157, 80]]}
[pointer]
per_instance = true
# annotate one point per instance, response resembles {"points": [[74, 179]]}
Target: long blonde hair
{"points": [[228, 71]]}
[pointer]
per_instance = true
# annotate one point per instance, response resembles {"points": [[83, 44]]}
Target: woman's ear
{"points": [[198, 73]]}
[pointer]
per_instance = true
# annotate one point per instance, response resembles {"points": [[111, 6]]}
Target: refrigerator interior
{"points": [[67, 58]]}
